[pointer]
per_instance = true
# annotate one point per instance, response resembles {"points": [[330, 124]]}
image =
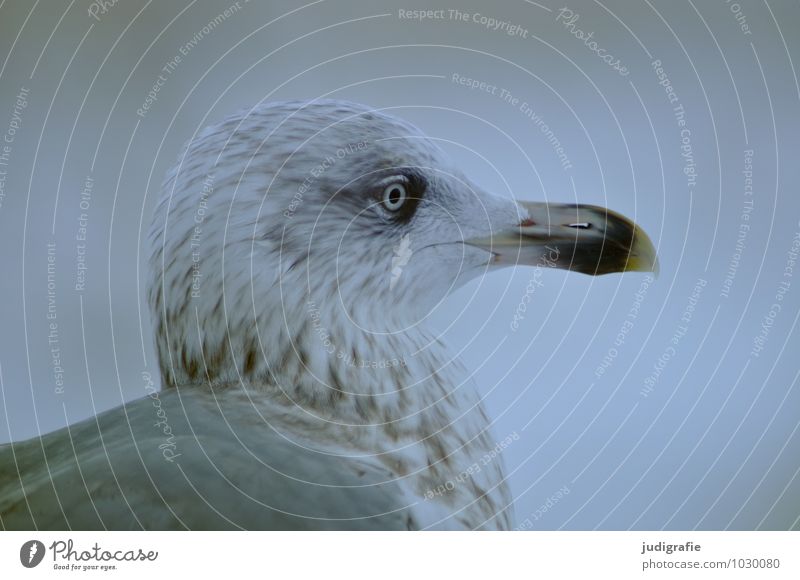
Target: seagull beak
{"points": [[582, 238]]}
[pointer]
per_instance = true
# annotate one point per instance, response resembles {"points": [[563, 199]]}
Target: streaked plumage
{"points": [[302, 388]]}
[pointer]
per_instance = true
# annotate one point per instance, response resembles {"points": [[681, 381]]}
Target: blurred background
{"points": [[639, 402]]}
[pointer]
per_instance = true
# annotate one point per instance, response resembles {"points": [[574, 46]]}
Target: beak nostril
{"points": [[580, 225]]}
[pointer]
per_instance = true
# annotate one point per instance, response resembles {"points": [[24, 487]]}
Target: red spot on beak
{"points": [[526, 223]]}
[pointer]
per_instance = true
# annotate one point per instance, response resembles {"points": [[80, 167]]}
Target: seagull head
{"points": [[296, 208], [376, 210]]}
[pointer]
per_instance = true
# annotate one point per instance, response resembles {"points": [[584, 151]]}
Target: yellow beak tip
{"points": [[644, 257]]}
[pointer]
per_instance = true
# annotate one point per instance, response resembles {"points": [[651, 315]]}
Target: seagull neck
{"points": [[399, 397]]}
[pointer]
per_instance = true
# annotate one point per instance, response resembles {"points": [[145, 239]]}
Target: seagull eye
{"points": [[394, 196]]}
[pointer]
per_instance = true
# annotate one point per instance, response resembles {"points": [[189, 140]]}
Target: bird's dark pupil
{"points": [[395, 195]]}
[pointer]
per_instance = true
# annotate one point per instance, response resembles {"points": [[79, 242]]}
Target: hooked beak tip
{"points": [[588, 239]]}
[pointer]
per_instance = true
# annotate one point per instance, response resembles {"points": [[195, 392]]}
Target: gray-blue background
{"points": [[712, 444]]}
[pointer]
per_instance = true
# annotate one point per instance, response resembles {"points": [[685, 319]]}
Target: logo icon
{"points": [[31, 553]]}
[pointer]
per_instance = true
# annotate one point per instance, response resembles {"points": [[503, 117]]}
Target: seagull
{"points": [[298, 249]]}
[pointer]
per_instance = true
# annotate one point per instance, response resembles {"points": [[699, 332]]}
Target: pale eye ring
{"points": [[394, 196]]}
